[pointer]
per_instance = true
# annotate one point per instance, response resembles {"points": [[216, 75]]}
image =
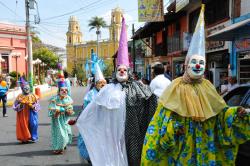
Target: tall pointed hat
{"points": [[98, 73], [197, 45], [60, 77], [23, 82], [122, 57]]}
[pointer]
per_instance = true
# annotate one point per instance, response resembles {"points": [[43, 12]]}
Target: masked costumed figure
{"points": [[99, 82], [60, 109], [114, 124], [192, 124], [27, 106]]}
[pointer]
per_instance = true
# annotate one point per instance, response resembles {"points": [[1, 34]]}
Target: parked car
{"points": [[240, 96]]}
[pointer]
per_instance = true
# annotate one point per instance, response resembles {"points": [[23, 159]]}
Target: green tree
{"points": [[97, 23], [107, 72], [47, 56]]}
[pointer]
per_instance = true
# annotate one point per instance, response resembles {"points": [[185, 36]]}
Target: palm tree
{"points": [[97, 23]]}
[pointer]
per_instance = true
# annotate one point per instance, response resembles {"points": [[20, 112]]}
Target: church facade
{"points": [[78, 50]]}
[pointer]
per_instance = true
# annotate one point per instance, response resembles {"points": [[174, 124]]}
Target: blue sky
{"points": [[53, 30]]}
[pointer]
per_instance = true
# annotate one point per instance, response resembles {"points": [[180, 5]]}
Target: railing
{"points": [[175, 43]]}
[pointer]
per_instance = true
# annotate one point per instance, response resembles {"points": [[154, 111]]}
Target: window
{"points": [[235, 97], [216, 11]]}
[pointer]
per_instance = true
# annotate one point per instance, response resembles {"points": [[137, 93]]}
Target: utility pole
{"points": [[29, 44], [133, 32]]}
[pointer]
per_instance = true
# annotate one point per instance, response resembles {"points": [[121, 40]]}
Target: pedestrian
{"points": [[232, 83], [160, 81], [4, 90], [114, 124], [193, 125], [26, 106], [60, 109], [67, 81]]}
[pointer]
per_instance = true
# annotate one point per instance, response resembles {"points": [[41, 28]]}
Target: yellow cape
{"points": [[199, 101]]}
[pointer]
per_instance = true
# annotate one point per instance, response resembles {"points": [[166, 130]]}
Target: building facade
{"points": [[168, 42], [13, 45], [78, 50]]}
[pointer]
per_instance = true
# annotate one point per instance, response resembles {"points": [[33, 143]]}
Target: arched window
{"points": [[70, 39]]}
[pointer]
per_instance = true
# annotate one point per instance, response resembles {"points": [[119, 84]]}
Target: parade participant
{"points": [[60, 108], [192, 124], [99, 82], [3, 94], [27, 106], [114, 124]]}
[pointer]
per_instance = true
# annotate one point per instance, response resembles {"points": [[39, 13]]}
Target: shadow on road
{"points": [[9, 143], [31, 153], [44, 124]]}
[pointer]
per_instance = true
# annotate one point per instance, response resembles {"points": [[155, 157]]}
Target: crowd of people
{"points": [[131, 122]]}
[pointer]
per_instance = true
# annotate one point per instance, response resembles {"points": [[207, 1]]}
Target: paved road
{"points": [[12, 153]]}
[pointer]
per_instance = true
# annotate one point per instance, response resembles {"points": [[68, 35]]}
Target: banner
{"points": [[150, 10], [181, 4]]}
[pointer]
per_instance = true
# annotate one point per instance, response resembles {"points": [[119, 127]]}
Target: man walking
{"points": [[3, 94]]}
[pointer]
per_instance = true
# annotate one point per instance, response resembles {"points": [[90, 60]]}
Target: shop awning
{"points": [[235, 31]]}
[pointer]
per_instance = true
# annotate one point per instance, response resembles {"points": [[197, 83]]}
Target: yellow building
{"points": [[78, 50]]}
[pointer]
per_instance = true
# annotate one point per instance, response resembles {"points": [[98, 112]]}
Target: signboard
{"points": [[181, 4], [213, 46], [242, 45], [150, 11]]}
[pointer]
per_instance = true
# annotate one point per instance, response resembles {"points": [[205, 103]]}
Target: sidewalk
{"points": [[45, 91]]}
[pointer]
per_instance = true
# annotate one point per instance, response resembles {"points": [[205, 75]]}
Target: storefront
{"points": [[243, 60]]}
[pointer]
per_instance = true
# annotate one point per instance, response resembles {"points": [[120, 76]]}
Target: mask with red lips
{"points": [[196, 66]]}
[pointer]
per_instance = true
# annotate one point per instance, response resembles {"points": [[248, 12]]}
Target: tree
{"points": [[108, 70], [97, 23], [47, 56]]}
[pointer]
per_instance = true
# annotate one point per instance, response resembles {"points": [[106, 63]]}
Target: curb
{"points": [[45, 94]]}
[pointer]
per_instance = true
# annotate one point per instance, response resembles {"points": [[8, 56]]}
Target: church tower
{"points": [[74, 38], [115, 27], [74, 34]]}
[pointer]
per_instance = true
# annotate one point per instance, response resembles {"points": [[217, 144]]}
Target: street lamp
{"points": [[16, 55], [43, 71], [37, 62]]}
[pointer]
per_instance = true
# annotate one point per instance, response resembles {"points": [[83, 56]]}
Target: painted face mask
{"points": [[122, 73], [196, 67], [26, 89], [63, 91], [100, 84]]}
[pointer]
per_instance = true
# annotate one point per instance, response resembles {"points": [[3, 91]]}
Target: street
{"points": [[12, 153]]}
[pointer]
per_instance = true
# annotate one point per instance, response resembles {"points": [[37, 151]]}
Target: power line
{"points": [[12, 11], [74, 11]]}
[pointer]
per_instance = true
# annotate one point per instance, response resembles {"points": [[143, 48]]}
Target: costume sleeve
{"points": [[160, 137], [37, 106], [17, 106], [232, 129], [52, 106]]}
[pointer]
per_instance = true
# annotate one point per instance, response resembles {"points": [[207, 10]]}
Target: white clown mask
{"points": [[196, 66], [122, 73], [63, 92]]}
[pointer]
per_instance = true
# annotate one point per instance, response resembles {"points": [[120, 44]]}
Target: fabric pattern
{"points": [[140, 107], [61, 134], [175, 140]]}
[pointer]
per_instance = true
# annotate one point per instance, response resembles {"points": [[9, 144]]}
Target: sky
{"points": [[52, 29]]}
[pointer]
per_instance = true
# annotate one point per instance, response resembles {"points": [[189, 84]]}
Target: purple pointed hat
{"points": [[122, 57]]}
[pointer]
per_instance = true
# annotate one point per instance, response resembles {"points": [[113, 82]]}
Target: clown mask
{"points": [[196, 66], [99, 84], [63, 91], [26, 89], [122, 73]]}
